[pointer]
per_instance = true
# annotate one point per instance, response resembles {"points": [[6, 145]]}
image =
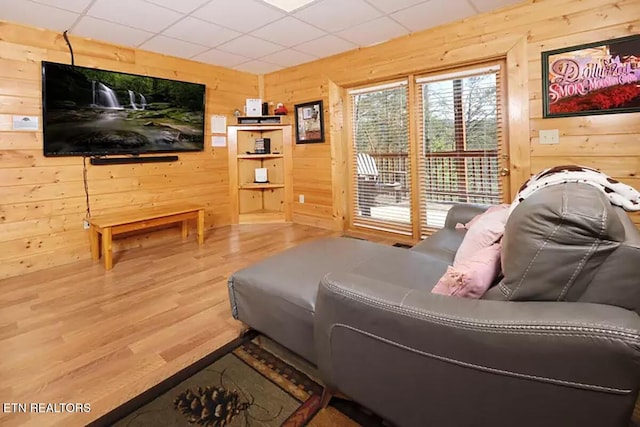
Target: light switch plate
{"points": [[549, 136]]}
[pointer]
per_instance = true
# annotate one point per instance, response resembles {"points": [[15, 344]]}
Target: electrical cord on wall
{"points": [[66, 38], [84, 158]]}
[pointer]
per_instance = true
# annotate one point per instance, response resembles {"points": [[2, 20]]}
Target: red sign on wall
{"points": [[597, 78]]}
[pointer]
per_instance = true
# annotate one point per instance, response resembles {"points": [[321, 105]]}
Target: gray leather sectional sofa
{"points": [[556, 343]]}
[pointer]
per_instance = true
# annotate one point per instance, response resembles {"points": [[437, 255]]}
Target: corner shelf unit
{"points": [[253, 202]]}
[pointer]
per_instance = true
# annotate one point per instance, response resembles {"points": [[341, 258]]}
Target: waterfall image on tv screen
{"points": [[87, 111]]}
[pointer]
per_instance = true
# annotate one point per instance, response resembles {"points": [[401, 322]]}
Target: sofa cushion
{"points": [[554, 243], [471, 277], [483, 231], [408, 269]]}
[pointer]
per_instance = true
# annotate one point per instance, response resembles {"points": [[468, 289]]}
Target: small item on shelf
{"points": [[261, 176], [253, 107], [262, 146], [237, 112], [280, 110]]}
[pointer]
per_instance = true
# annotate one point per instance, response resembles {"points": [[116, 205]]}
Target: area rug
{"points": [[251, 382]]}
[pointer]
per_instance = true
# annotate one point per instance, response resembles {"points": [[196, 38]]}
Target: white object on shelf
{"points": [[253, 107], [261, 175]]}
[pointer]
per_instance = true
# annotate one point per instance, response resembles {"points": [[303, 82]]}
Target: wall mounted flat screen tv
{"points": [[90, 112]]}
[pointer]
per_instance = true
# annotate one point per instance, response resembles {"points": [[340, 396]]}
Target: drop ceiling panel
{"points": [[373, 32], [288, 32], [98, 29], [433, 13], [336, 15], [288, 58], [258, 67], [38, 15], [222, 58], [239, 15], [250, 46], [134, 13], [390, 6], [201, 32], [326, 46], [174, 47], [77, 6], [183, 6]]}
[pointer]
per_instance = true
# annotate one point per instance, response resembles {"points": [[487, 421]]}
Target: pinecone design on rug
{"points": [[212, 407]]}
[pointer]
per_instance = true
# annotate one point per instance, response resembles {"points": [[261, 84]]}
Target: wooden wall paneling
{"points": [[617, 166], [517, 117], [338, 140], [588, 145], [44, 197]]}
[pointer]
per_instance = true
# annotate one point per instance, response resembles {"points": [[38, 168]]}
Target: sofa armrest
{"points": [[443, 348], [463, 213]]}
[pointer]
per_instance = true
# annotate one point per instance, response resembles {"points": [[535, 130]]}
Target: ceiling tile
{"points": [[184, 6], [288, 32], [373, 32], [201, 32], [390, 6], [239, 15], [174, 47], [98, 29], [487, 5], [219, 57], [288, 58], [289, 5], [325, 46], [336, 15], [433, 13], [258, 67], [250, 46], [35, 14], [72, 5], [134, 13]]}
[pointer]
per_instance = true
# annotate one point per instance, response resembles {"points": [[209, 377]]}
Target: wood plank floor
{"points": [[78, 334]]}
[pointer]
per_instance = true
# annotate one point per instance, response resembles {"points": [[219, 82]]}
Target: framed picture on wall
{"points": [[309, 122], [595, 78]]}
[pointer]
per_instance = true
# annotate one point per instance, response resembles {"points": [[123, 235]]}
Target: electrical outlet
{"points": [[301, 198], [85, 224], [549, 136]]}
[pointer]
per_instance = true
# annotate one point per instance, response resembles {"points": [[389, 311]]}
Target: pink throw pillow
{"points": [[471, 277], [483, 231]]}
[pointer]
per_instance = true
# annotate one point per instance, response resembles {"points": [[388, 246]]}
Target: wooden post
{"points": [[201, 227], [106, 248], [185, 229], [95, 243]]}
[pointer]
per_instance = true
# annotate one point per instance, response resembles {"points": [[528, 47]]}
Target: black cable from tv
{"points": [[66, 38], [84, 158]]}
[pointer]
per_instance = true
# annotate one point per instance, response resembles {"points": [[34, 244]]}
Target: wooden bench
{"points": [[139, 219]]}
